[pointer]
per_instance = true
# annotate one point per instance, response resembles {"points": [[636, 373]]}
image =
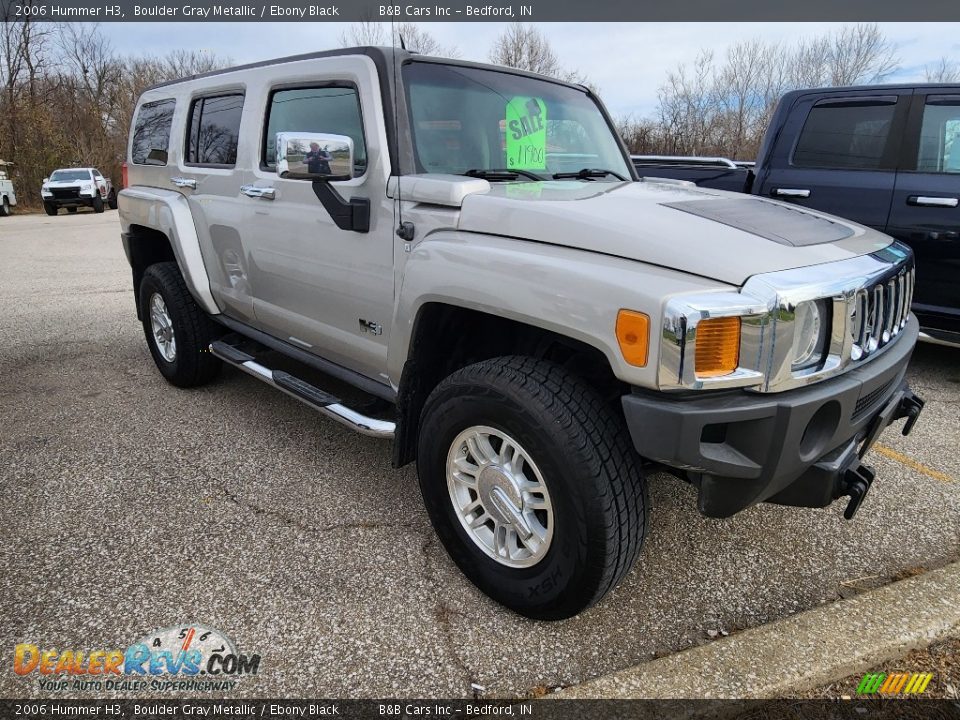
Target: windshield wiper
{"points": [[587, 173], [501, 174]]}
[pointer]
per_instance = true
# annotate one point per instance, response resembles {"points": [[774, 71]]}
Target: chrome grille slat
{"points": [[880, 312]]}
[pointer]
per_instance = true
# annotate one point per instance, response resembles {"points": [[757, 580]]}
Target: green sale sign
{"points": [[527, 134]]}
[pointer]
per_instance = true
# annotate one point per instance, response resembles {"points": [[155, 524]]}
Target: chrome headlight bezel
{"points": [[863, 303]]}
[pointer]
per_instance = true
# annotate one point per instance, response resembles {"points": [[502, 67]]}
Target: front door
{"points": [[320, 288], [844, 159]]}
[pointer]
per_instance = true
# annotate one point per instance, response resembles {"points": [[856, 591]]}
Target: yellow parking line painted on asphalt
{"points": [[911, 463]]}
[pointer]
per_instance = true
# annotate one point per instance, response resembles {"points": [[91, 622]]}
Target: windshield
{"points": [[467, 119], [66, 175]]}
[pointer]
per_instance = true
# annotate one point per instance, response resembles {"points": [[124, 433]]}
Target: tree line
{"points": [[67, 97]]}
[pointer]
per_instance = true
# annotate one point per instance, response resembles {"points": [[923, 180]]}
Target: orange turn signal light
{"points": [[633, 334], [717, 346]]}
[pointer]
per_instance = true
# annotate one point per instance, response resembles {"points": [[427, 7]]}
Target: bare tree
{"points": [[723, 107], [409, 35], [944, 71], [860, 54], [526, 48]]}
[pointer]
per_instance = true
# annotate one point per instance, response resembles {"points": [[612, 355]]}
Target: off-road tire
{"points": [[50, 209], [5, 207], [112, 200], [584, 453], [97, 204], [193, 364]]}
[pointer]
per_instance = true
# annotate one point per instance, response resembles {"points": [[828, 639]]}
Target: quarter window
{"points": [[327, 110], [214, 130], [845, 135], [940, 135], [151, 133]]}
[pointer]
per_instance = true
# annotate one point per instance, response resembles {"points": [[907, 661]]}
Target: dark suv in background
{"points": [[886, 156]]}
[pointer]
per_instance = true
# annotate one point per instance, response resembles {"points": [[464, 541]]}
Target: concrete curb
{"points": [[801, 652]]}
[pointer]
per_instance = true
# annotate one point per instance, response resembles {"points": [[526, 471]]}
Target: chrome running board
{"points": [[322, 402]]}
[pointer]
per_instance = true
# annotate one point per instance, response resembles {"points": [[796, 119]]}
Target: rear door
{"points": [[838, 153], [211, 167], [926, 205]]}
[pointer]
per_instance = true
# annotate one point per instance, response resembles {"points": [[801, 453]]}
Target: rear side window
{"points": [[940, 135], [214, 130], [328, 110], [845, 135], [151, 133]]}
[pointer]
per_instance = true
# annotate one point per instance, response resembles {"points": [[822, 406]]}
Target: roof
{"points": [[383, 56]]}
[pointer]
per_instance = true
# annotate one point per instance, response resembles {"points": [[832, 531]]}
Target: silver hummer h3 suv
{"points": [[470, 246]]}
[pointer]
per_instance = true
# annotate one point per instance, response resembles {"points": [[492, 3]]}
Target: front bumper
{"points": [[801, 447]]}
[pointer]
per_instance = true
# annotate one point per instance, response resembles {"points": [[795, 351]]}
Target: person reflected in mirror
{"points": [[318, 160]]}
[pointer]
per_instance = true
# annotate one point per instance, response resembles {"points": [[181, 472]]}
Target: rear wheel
{"points": [[532, 485], [112, 200], [50, 209], [178, 332], [71, 209]]}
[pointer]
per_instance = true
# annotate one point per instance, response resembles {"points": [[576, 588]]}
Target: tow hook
{"points": [[909, 407], [856, 483]]}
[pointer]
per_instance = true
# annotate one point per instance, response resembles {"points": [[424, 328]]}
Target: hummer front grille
{"points": [[880, 313]]}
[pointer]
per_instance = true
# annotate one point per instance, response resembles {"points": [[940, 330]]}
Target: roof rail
{"points": [[685, 160]]}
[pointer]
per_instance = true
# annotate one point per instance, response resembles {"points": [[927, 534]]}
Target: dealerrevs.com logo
{"points": [[179, 658]]}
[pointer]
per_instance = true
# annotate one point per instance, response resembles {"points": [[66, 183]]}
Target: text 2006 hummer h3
{"points": [[470, 246]]}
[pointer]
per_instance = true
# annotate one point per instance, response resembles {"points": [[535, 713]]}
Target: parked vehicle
{"points": [[884, 156], [467, 244], [8, 198], [72, 188]]}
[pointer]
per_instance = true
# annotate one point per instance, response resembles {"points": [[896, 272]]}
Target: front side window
{"points": [[151, 133], [467, 119], [940, 135], [327, 110], [848, 134], [214, 130]]}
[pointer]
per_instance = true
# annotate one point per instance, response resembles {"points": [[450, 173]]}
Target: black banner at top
{"points": [[493, 11]]}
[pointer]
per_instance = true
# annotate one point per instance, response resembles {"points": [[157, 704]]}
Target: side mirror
{"points": [[314, 156], [46, 180]]}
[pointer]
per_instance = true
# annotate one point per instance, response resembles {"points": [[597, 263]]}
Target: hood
{"points": [[719, 235]]}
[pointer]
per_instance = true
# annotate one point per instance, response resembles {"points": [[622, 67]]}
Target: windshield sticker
{"points": [[527, 134]]}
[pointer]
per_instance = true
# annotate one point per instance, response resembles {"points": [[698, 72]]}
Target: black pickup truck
{"points": [[884, 156]]}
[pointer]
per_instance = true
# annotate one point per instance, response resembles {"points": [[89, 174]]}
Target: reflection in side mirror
{"points": [[314, 156]]}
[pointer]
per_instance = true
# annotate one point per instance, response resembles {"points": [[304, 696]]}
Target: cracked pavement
{"points": [[128, 505]]}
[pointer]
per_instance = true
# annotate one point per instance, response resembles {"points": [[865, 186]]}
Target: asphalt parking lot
{"points": [[128, 505]]}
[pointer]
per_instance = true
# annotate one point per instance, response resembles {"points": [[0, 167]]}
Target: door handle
{"points": [[791, 192], [943, 202], [265, 193], [184, 182]]}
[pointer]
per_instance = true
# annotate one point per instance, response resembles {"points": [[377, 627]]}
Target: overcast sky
{"points": [[627, 61]]}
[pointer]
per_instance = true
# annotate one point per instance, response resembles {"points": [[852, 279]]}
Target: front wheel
{"points": [[5, 207], [98, 204], [178, 332], [50, 209], [532, 485]]}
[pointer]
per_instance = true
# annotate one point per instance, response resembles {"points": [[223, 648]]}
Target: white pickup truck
{"points": [[73, 188], [8, 198], [470, 245]]}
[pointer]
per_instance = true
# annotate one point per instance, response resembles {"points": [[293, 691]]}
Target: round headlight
{"points": [[807, 333]]}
